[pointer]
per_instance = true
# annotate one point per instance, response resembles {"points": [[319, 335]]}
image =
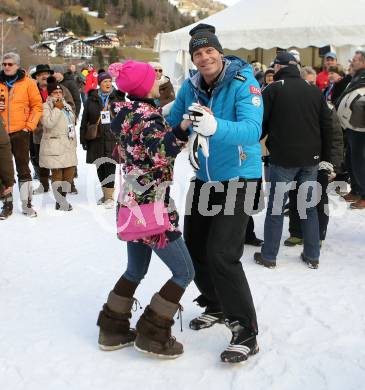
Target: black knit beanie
{"points": [[52, 85], [203, 35]]}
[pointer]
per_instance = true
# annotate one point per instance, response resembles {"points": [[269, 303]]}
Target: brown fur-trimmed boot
{"points": [[113, 321], [154, 329]]}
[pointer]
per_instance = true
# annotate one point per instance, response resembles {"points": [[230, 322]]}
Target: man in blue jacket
{"points": [[224, 103]]}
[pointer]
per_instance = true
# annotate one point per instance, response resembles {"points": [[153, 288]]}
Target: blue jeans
{"points": [[279, 177], [175, 255]]}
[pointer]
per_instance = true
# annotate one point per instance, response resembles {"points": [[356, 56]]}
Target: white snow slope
{"points": [[57, 269]]}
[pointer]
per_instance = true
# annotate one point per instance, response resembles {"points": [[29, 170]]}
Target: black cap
{"points": [[203, 35], [285, 58], [41, 69], [52, 85]]}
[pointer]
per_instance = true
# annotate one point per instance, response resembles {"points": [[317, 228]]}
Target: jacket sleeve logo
{"points": [[255, 90]]}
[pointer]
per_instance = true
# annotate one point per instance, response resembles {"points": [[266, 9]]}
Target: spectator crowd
{"points": [[243, 124]]}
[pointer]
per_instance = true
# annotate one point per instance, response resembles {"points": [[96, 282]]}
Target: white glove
{"points": [[195, 141], [328, 167], [204, 122], [167, 108]]}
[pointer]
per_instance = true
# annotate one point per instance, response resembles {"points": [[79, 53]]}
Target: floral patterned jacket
{"points": [[148, 147]]}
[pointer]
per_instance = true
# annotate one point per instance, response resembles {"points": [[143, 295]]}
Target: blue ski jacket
{"points": [[234, 149]]}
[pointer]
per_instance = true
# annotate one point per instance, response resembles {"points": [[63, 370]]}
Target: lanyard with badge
{"points": [[71, 131], [105, 114]]}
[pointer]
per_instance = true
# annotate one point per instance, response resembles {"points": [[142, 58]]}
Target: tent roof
{"points": [[285, 23]]}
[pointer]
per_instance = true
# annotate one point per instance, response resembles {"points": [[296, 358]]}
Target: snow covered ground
{"points": [[57, 269]]}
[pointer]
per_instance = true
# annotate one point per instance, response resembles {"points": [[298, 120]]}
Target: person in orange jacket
{"points": [[20, 109]]}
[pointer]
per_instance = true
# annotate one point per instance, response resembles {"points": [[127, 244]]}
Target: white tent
{"points": [[262, 26]]}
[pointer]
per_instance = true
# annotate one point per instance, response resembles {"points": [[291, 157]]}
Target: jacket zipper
{"points": [[206, 158], [9, 92], [240, 151]]}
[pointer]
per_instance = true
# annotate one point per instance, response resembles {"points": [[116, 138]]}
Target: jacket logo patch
{"points": [[199, 42], [255, 90], [256, 101], [240, 77]]}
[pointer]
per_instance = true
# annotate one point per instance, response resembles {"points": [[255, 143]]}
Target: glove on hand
{"points": [[84, 146], [203, 121], [59, 104], [328, 167], [195, 141], [167, 108]]}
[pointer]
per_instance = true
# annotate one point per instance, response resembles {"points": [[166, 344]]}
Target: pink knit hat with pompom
{"points": [[133, 77]]}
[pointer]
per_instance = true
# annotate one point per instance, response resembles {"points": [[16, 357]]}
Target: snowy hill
{"points": [[57, 269]]}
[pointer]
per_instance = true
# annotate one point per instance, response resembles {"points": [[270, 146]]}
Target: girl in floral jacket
{"points": [[148, 148]]}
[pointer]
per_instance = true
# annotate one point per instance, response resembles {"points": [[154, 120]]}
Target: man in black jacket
{"points": [[298, 123], [68, 81], [351, 112]]}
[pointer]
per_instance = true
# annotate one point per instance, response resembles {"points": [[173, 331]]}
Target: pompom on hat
{"points": [[133, 77]]}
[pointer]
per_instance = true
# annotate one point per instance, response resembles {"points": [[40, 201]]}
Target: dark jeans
{"points": [[322, 209], [216, 246], [356, 161], [279, 178], [20, 149], [104, 171], [175, 255]]}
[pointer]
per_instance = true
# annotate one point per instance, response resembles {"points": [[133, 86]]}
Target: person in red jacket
{"points": [[91, 79], [330, 59]]}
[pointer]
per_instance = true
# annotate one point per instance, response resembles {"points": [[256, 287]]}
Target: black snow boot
{"points": [[243, 344]]}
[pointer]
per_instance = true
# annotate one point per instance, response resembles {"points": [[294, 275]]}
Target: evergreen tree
{"points": [[76, 23], [142, 12], [99, 58], [135, 9], [101, 9], [114, 55], [93, 5]]}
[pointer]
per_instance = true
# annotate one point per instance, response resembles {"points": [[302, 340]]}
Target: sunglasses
{"points": [[8, 64], [158, 70]]}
